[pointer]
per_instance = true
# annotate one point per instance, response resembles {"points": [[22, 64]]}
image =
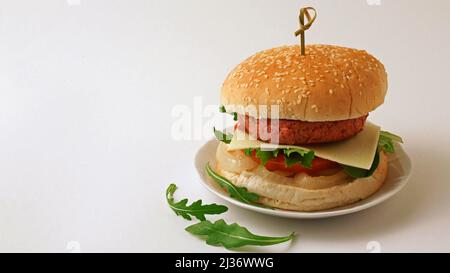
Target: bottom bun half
{"points": [[286, 193]]}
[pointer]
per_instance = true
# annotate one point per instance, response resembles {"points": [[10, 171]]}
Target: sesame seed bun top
{"points": [[328, 83]]}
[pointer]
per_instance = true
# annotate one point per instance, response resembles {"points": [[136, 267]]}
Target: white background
{"points": [[87, 89]]}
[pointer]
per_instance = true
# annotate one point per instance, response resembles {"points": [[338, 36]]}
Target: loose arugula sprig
{"points": [[385, 143], [196, 209], [239, 193], [221, 136], [220, 233]]}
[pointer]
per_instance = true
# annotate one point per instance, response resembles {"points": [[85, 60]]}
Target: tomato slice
{"points": [[278, 164]]}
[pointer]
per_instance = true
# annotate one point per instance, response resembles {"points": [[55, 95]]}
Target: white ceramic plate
{"points": [[398, 176]]}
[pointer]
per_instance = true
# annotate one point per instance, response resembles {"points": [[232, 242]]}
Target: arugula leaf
{"points": [[296, 155], [221, 136], [235, 116], [239, 193], [196, 209], [361, 173], [386, 141], [232, 236]]}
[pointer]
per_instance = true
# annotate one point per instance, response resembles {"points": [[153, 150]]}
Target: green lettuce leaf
{"points": [[196, 209], [361, 173], [301, 156], [292, 156], [239, 193]]}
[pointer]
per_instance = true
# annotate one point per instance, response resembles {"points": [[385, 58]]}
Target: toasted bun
{"points": [[329, 83], [279, 192]]}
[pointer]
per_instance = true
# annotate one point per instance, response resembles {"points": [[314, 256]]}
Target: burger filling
{"points": [[323, 174], [313, 149]]}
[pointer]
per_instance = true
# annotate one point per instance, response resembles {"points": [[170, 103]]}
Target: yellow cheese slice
{"points": [[358, 151]]}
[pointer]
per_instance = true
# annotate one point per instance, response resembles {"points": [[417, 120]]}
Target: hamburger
{"points": [[302, 140]]}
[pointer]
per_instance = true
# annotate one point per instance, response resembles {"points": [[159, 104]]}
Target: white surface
{"points": [[86, 94], [397, 178]]}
